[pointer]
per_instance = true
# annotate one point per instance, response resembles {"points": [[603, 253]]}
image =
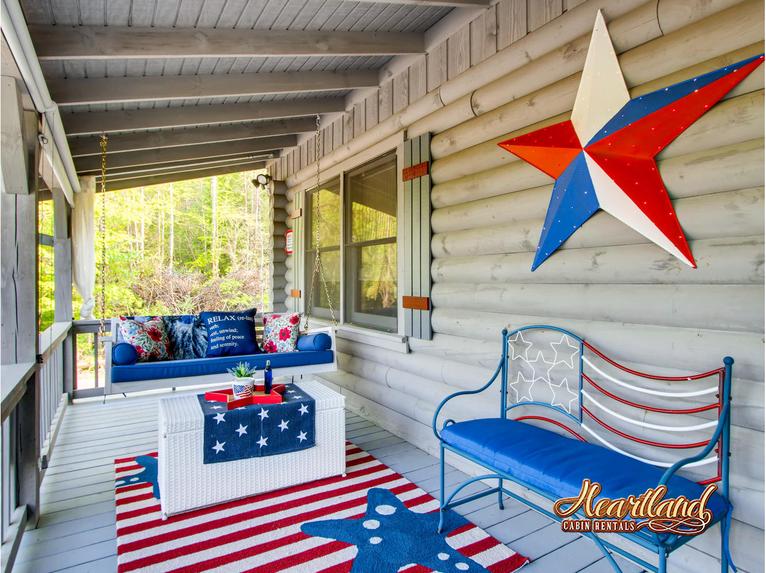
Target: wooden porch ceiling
{"points": [[180, 84]]}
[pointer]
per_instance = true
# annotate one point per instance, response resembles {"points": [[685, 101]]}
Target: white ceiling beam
{"points": [[178, 166], [83, 123], [450, 3], [89, 145], [190, 172], [184, 153], [124, 42], [157, 88]]}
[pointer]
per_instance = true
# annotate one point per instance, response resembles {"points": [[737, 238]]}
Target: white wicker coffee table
{"points": [[186, 483]]}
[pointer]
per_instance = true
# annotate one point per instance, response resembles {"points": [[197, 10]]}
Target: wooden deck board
{"points": [[76, 532]]}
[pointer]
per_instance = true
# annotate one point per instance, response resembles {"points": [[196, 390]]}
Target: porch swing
{"points": [[315, 349]]}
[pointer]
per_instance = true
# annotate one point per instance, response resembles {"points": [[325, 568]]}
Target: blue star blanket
{"points": [[258, 430]]}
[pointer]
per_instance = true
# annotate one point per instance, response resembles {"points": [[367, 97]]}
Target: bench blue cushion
{"points": [[205, 366], [557, 465]]}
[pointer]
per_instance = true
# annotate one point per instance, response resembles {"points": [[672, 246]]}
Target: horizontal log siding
{"points": [[515, 69]]}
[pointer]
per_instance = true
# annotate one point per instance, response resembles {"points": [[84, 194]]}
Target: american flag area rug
{"points": [[372, 520]]}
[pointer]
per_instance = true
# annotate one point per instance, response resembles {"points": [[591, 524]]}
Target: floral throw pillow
{"points": [[149, 338], [280, 332]]}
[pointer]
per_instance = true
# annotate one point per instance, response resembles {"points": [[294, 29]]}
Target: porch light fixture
{"points": [[262, 179]]}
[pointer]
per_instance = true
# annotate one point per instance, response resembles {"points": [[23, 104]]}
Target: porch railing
{"points": [[34, 398], [82, 386], [53, 359]]}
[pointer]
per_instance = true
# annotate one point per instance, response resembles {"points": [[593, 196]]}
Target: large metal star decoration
{"points": [[604, 156]]}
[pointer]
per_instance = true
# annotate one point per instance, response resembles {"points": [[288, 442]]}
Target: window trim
{"points": [[322, 312], [342, 172], [363, 319]]}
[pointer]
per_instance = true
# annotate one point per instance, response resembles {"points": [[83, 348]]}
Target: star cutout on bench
{"points": [[262, 442], [302, 436], [390, 536], [241, 430], [263, 413], [283, 425], [219, 417], [218, 447], [304, 409]]}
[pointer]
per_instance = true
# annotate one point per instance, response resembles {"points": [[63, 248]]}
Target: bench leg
{"points": [[441, 490], [500, 494], [662, 566], [725, 548]]}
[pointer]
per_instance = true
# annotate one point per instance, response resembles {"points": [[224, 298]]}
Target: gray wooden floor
{"points": [[77, 528]]}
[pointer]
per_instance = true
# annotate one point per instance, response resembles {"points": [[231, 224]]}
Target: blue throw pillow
{"points": [[316, 341], [230, 333], [188, 336], [123, 354]]}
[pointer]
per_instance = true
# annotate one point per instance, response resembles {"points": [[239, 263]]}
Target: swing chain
{"points": [[316, 223], [102, 231]]}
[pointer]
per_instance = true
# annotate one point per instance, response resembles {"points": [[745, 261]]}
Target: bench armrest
{"points": [[722, 422], [463, 393], [721, 433]]}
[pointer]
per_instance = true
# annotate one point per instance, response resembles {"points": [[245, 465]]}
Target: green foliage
{"points": [[45, 279], [178, 248], [242, 370]]}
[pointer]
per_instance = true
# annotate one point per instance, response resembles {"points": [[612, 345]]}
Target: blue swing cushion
{"points": [[314, 342], [230, 333], [124, 354], [557, 465]]}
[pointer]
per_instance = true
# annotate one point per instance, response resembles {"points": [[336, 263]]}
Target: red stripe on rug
{"points": [[244, 501], [128, 469], [133, 499], [133, 458], [508, 564], [299, 558], [238, 535], [131, 487]]}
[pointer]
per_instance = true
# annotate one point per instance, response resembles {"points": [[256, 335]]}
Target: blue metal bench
{"points": [[549, 368]]}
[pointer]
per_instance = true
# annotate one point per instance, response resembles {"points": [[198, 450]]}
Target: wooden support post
{"points": [[62, 253], [18, 291], [13, 158]]}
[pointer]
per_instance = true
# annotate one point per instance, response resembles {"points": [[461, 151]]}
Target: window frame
{"points": [[362, 319], [390, 325], [319, 311]]}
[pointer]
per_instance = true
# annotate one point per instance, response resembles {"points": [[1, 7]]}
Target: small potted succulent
{"points": [[243, 384]]}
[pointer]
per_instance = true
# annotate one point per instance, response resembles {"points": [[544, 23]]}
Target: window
{"points": [[357, 243], [323, 205], [370, 245]]}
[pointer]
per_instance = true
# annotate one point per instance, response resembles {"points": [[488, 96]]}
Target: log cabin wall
{"points": [[514, 69]]}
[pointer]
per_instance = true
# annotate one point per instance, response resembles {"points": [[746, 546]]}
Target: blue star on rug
{"points": [[147, 475], [390, 536]]}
